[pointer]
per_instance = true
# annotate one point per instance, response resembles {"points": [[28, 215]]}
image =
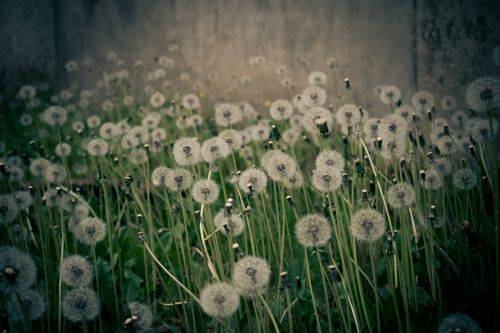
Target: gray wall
{"points": [[403, 42]]}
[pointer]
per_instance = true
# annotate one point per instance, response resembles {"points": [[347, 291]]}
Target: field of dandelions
{"points": [[143, 205]]}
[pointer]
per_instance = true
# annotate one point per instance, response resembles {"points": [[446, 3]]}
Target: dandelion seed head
{"points": [[278, 165], [138, 156], [232, 138], [480, 130], [159, 176], [464, 179], [205, 191], [326, 179], [151, 120], [8, 209], [390, 94], [393, 148], [143, 318], [214, 149], [93, 121], [17, 270], [129, 142], [97, 147], [442, 165], [294, 181], [317, 78], [330, 159], [448, 103], [80, 305], [483, 94], [400, 195], [227, 114], [313, 230], [157, 99], [313, 115], [32, 303], [179, 180], [458, 323], [422, 101], [393, 125], [187, 151], [63, 149], [281, 109], [255, 177], [38, 167], [433, 180], [76, 271], [251, 276], [260, 132], [313, 96], [291, 136], [348, 115], [367, 225], [23, 199], [220, 300], [232, 222], [141, 133], [55, 173], [90, 231]]}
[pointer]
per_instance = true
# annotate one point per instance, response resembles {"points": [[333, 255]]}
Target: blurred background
{"points": [[435, 45]]}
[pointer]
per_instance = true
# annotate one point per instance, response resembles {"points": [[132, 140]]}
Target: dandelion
{"points": [[157, 99], [205, 191], [433, 180], [294, 181], [278, 165], [447, 144], [187, 151], [25, 120], [138, 156], [128, 100], [260, 132], [151, 120], [442, 165], [97, 147], [464, 179], [55, 115], [141, 316], [16, 174], [325, 179], [71, 66], [483, 94], [76, 271], [480, 129], [251, 276], [348, 115], [232, 138], [317, 78], [281, 109], [313, 230], [390, 94], [316, 116], [392, 126], [252, 180], [78, 126], [129, 142], [291, 136], [32, 303], [406, 111], [231, 222], [108, 131], [27, 92], [17, 270], [158, 135], [159, 176], [330, 159], [55, 173], [458, 322], [219, 300], [179, 180], [371, 128], [93, 121], [313, 96], [140, 133], [422, 101], [227, 114], [23, 199], [90, 231], [39, 166], [214, 149], [80, 305], [367, 225], [393, 148], [63, 149], [51, 198], [448, 103], [400, 195]]}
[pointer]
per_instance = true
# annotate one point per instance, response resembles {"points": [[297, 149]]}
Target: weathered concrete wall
{"points": [[27, 41], [455, 40]]}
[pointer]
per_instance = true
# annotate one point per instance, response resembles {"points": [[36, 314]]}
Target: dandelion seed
{"points": [[254, 177], [325, 179], [90, 231], [483, 94], [38, 167], [63, 149], [393, 148], [251, 276], [260, 133], [432, 180], [187, 151], [93, 122], [464, 179], [317, 78], [138, 156], [392, 126], [232, 222], [219, 300], [400, 195], [214, 149], [55, 115], [278, 165], [78, 126], [32, 303], [129, 142], [17, 270], [458, 322], [348, 115], [367, 225], [157, 99], [281, 109], [142, 318], [159, 176], [140, 133], [151, 120], [232, 138], [205, 191], [97, 147], [390, 94], [80, 305], [422, 101], [313, 96], [179, 180], [76, 271], [314, 116], [330, 159], [158, 134], [313, 230], [108, 131], [227, 114], [55, 173], [294, 181]]}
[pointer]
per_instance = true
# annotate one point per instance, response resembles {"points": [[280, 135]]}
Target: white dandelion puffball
{"points": [[252, 180], [76, 271], [229, 222], [400, 195], [313, 230], [187, 151], [220, 300], [251, 276], [80, 305], [483, 94], [205, 191], [367, 225], [281, 109]]}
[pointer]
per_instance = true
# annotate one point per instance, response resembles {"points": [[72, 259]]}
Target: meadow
{"points": [[145, 204]]}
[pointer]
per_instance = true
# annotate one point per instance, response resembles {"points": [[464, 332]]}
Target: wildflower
{"points": [[390, 94], [141, 316], [187, 151], [480, 130], [25, 120], [78, 126], [291, 136], [128, 100], [393, 148], [129, 142], [325, 179], [281, 109], [55, 173], [254, 177], [52, 198], [422, 101], [251, 275], [108, 131], [400, 195], [71, 66], [483, 94], [23, 199], [214, 149], [158, 135], [406, 111], [97, 147], [63, 149], [219, 300], [392, 126], [27, 92], [317, 78], [178, 179], [371, 128], [16, 174], [313, 96], [230, 222], [205, 191], [448, 103], [80, 305], [90, 231], [294, 181], [232, 138], [76, 271], [32, 303], [93, 121], [315, 116], [141, 133], [458, 322], [313, 230], [151, 120], [227, 114], [157, 99], [17, 270], [432, 180], [278, 165], [464, 179], [138, 156], [330, 159], [367, 225], [348, 115], [55, 115], [38, 167], [260, 132], [459, 118], [442, 165], [159, 176]]}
